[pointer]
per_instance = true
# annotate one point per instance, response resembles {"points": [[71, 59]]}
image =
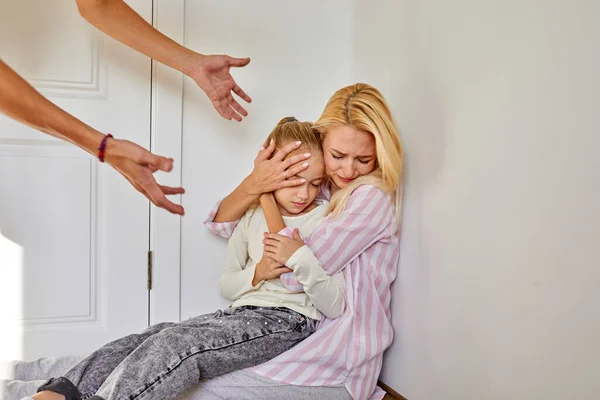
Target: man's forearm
{"points": [[20, 101], [121, 22]]}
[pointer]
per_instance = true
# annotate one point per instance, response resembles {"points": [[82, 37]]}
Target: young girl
{"points": [[264, 320]]}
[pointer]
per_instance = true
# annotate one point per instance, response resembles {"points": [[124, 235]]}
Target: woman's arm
{"points": [[368, 217], [237, 278], [20, 101], [232, 207], [211, 73], [269, 174], [327, 293]]}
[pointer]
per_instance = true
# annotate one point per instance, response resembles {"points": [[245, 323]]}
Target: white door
{"points": [[73, 233]]}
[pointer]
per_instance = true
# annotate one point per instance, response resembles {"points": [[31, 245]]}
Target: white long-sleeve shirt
{"points": [[318, 292]]}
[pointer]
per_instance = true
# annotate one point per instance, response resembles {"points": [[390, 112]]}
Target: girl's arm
{"points": [[272, 213], [236, 279]]}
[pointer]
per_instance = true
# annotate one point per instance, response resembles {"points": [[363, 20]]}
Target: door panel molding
{"points": [[165, 228]]}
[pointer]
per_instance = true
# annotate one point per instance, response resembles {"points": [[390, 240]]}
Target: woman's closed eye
{"points": [[337, 155], [359, 160]]}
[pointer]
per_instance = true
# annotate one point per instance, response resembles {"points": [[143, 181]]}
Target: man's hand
{"points": [[211, 73], [137, 165]]}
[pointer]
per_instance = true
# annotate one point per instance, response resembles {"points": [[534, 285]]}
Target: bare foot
{"points": [[47, 395]]}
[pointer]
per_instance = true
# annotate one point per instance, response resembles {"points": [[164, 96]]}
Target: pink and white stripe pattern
{"points": [[363, 242]]}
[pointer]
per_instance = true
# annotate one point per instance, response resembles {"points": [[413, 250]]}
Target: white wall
{"points": [[301, 52], [498, 103], [499, 280]]}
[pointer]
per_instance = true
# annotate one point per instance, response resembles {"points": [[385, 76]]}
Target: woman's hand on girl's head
{"points": [[275, 173], [280, 248]]}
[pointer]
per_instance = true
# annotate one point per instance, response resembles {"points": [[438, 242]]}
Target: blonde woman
{"points": [[360, 236]]}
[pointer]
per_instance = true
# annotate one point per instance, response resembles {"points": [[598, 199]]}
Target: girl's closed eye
{"points": [[336, 157]]}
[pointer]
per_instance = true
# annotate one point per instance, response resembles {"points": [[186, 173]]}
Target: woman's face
{"points": [[349, 153]]}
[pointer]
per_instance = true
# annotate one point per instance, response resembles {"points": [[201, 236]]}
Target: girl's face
{"points": [[349, 153], [294, 200]]}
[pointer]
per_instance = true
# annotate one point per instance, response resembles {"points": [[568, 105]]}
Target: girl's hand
{"points": [[280, 248], [266, 269], [275, 173]]}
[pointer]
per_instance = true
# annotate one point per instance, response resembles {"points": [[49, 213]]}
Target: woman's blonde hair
{"points": [[363, 107], [289, 129]]}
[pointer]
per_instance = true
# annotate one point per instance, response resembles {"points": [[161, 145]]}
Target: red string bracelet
{"points": [[103, 147]]}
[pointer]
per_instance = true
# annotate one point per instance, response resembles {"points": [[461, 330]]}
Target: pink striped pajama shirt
{"points": [[363, 242]]}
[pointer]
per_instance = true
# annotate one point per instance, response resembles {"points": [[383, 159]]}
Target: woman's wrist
{"points": [[251, 188]]}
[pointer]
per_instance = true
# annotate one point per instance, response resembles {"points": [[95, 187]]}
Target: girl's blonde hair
{"points": [[289, 129], [363, 107]]}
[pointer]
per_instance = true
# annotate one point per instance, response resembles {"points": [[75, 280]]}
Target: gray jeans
{"points": [[168, 359], [19, 379]]}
